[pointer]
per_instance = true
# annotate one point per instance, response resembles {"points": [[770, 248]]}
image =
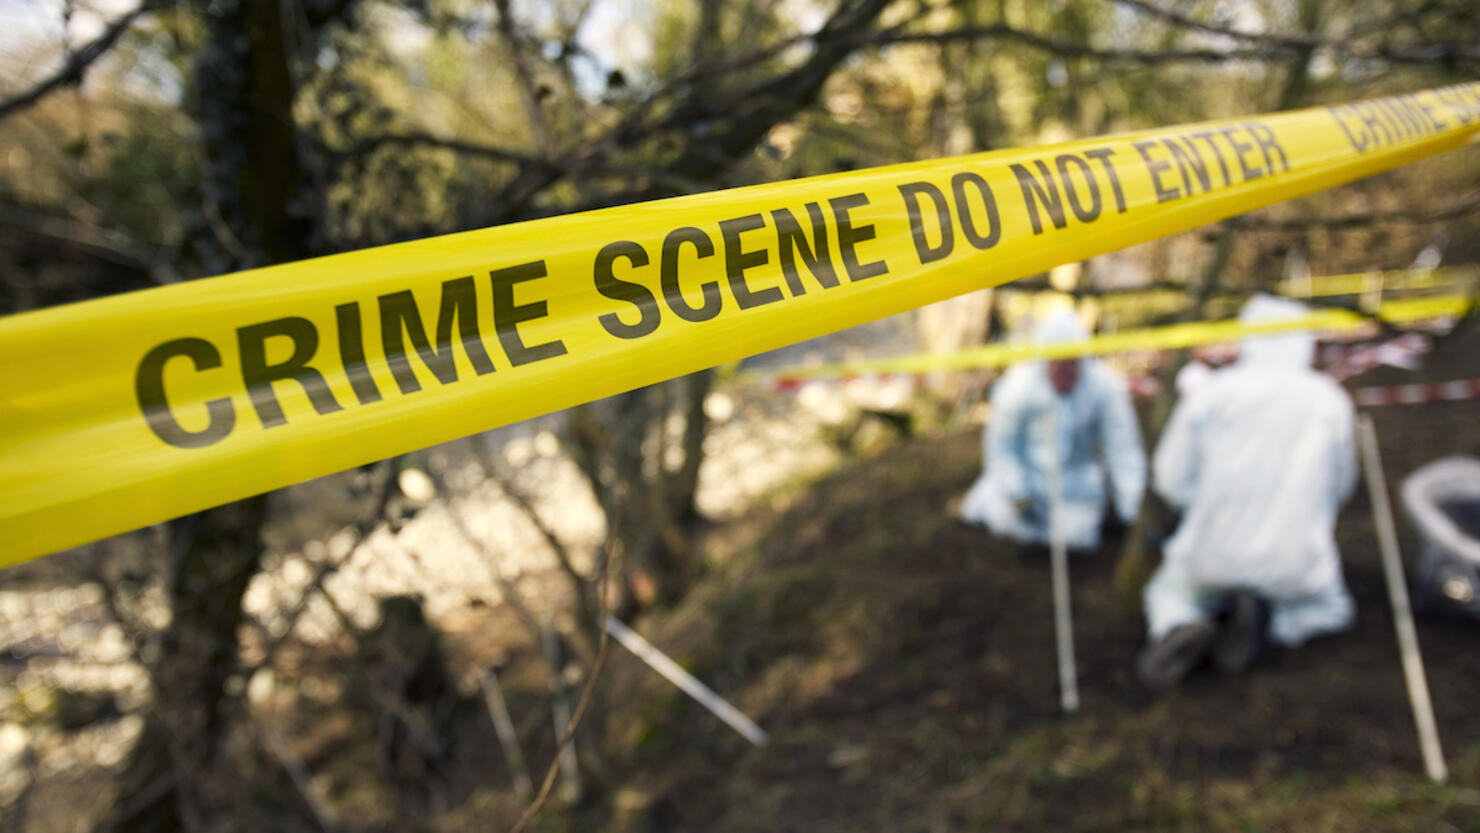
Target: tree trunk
{"points": [[682, 485], [216, 553], [243, 86], [621, 445]]}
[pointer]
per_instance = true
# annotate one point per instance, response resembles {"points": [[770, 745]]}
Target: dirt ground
{"points": [[905, 668]]}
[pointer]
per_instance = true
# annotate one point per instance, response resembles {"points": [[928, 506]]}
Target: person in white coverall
{"points": [[1258, 460], [1097, 439]]}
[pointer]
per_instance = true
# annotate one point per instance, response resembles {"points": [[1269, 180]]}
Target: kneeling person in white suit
{"points": [[1096, 439], [1258, 460]]}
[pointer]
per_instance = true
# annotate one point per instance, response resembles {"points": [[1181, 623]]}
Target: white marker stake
{"points": [[498, 710], [570, 765], [1058, 554], [1392, 568], [670, 670]]}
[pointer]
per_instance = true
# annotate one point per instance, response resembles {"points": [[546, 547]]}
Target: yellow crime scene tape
{"points": [[130, 410], [1371, 286], [1171, 337], [1318, 286], [1380, 282], [1388, 280]]}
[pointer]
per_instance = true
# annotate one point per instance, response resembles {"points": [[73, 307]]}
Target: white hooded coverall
{"points": [[1097, 436], [1259, 459]]}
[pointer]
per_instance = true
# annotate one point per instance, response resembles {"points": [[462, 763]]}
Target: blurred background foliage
{"points": [[144, 145]]}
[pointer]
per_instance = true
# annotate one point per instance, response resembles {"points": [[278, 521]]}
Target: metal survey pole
{"points": [[670, 670], [1059, 558], [570, 766], [498, 710], [1392, 568]]}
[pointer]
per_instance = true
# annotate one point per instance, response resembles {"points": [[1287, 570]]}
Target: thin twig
{"points": [[325, 570], [506, 585], [1066, 48], [417, 138], [1184, 21], [529, 94], [77, 63], [1358, 220], [1420, 53], [553, 773], [105, 244], [503, 726], [297, 772], [526, 505]]}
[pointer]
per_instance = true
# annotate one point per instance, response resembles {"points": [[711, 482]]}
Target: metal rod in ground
{"points": [[570, 767], [1063, 619], [1392, 568], [508, 739], [671, 671], [298, 774]]}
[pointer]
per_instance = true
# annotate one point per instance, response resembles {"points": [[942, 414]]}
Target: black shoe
{"points": [[1244, 635], [1165, 663]]}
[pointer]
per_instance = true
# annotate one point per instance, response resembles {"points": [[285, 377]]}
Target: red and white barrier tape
{"points": [[1403, 351], [792, 385], [1417, 393]]}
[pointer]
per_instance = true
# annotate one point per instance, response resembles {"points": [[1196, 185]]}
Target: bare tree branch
{"points": [[1070, 49], [316, 585], [1184, 21], [526, 505], [1423, 54], [105, 244], [553, 773], [512, 596], [277, 747], [72, 71], [371, 144], [747, 114], [713, 129], [527, 91], [1465, 208]]}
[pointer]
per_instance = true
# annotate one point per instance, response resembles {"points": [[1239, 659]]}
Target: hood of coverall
{"points": [[1060, 327], [1286, 350]]}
